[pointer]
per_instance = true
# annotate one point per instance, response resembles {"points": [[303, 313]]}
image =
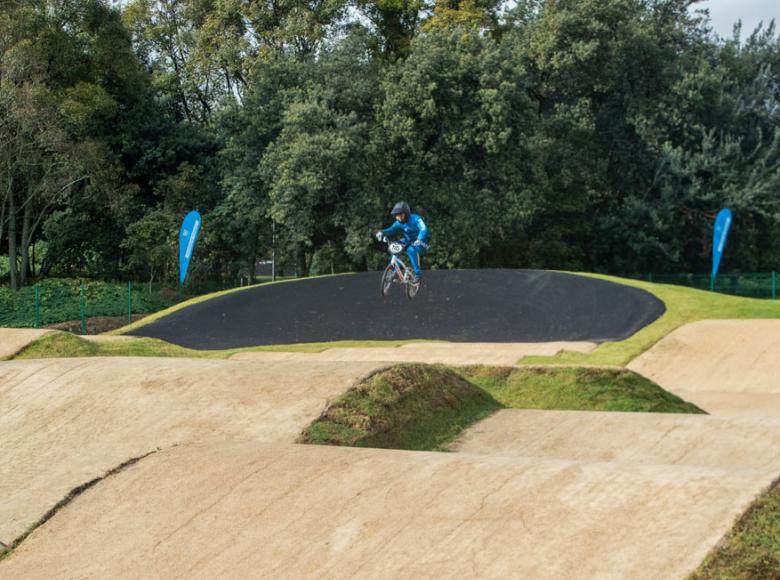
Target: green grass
{"points": [[752, 548], [66, 345], [426, 407], [576, 389], [683, 305], [413, 406]]}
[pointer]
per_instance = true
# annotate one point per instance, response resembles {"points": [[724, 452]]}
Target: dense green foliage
{"points": [[580, 134]]}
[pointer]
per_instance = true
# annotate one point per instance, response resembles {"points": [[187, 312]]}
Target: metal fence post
{"points": [[129, 302], [83, 325], [37, 307]]}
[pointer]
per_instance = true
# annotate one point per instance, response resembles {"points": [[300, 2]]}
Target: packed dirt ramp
{"points": [[527, 493], [639, 438], [298, 511], [66, 421], [728, 367], [13, 340]]}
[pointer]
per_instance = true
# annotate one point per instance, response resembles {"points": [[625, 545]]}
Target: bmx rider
{"points": [[414, 234]]}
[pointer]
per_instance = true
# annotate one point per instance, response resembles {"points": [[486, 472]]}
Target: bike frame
{"points": [[401, 272], [400, 267]]}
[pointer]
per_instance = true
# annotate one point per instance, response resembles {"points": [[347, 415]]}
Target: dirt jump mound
{"points": [[455, 305]]}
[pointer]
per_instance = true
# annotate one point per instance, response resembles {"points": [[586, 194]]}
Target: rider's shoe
{"points": [[416, 278]]}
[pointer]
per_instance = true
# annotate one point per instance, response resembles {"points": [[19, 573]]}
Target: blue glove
{"points": [[418, 243]]}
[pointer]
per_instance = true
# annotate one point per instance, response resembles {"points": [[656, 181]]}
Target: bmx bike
{"points": [[397, 271]]}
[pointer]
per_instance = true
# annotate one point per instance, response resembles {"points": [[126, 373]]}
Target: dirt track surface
{"points": [[302, 512], [455, 305], [726, 367], [646, 438], [12, 340], [428, 352], [66, 421], [532, 494]]}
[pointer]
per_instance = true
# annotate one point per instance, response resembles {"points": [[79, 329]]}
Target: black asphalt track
{"points": [[454, 305]]}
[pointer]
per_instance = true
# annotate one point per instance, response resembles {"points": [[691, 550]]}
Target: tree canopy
{"points": [[600, 135]]}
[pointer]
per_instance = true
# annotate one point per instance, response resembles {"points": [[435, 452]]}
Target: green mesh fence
{"points": [[54, 301], [748, 284]]}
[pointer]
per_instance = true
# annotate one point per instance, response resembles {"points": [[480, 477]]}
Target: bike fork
{"points": [[398, 271]]}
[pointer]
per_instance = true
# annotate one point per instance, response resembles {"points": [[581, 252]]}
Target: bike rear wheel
{"points": [[387, 280]]}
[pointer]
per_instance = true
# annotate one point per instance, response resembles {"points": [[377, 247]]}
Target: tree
{"points": [[243, 227], [456, 126], [203, 53], [581, 134], [41, 165], [319, 168], [165, 33], [150, 246], [396, 23]]}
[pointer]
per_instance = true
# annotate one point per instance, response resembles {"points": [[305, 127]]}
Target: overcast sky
{"points": [[724, 13]]}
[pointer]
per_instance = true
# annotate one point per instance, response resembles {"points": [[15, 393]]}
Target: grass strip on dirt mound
{"points": [[426, 407], [752, 548], [411, 406], [66, 345], [576, 389]]}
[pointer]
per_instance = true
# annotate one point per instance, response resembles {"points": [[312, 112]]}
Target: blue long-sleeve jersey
{"points": [[414, 229]]}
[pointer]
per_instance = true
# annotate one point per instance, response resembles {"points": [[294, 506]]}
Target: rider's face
{"points": [[401, 217]]}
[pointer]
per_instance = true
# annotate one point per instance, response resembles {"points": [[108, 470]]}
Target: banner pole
{"points": [[273, 251], [83, 325]]}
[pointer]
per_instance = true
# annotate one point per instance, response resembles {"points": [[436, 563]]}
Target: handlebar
{"points": [[392, 247]]}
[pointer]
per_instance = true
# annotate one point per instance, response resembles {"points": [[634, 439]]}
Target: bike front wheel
{"points": [[387, 280]]}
